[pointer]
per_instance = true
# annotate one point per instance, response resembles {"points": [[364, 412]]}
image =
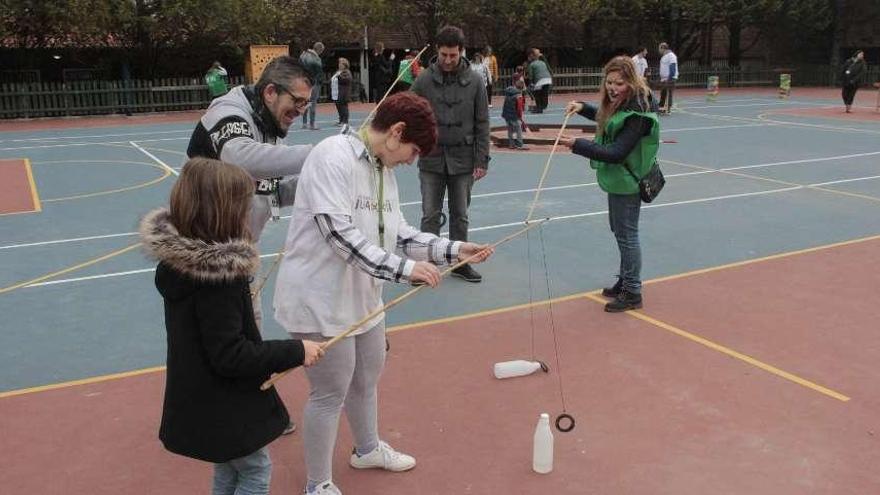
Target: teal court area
{"points": [[749, 370]]}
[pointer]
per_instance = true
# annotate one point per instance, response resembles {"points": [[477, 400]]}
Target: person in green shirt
{"points": [[217, 78], [627, 135]]}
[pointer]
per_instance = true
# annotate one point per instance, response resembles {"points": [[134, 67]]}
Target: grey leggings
{"points": [[347, 375]]}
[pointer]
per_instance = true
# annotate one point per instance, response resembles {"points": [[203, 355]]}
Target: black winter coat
{"points": [[214, 409]]}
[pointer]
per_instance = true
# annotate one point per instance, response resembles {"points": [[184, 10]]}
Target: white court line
{"points": [[765, 104], [62, 241], [842, 181], [51, 138], [808, 160], [706, 128], [517, 191], [480, 229], [160, 162]]}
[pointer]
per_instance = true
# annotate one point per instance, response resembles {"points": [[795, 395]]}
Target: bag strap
{"points": [[631, 172]]}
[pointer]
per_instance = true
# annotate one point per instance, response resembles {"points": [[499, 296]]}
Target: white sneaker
{"points": [[324, 488], [383, 457]]}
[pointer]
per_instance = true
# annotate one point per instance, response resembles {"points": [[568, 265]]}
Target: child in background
{"points": [[513, 111], [214, 409]]}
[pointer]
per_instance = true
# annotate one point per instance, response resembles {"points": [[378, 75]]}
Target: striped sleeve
{"points": [[359, 252], [423, 246]]}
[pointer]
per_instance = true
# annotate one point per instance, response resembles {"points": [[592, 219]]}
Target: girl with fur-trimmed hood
{"points": [[214, 409]]}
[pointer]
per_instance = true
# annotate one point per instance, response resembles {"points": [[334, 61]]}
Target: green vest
{"points": [[407, 76], [613, 177]]}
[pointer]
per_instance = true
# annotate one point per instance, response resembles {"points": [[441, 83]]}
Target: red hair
{"points": [[416, 113]]}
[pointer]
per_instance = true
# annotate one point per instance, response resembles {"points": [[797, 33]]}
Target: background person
{"points": [[853, 72], [458, 97]]}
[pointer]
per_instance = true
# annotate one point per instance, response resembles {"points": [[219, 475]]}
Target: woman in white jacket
{"points": [[340, 249]]}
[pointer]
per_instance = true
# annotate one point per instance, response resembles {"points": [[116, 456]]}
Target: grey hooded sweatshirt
{"points": [[234, 131]]}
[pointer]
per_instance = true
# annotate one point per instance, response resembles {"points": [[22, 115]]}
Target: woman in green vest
{"points": [[627, 135]]}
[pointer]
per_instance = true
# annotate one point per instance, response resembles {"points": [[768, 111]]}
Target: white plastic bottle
{"points": [[542, 452], [509, 369]]}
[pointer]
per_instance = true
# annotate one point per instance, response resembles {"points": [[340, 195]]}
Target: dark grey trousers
{"points": [[434, 187]]}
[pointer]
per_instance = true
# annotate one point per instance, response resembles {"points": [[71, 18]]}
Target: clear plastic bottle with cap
{"points": [[542, 452], [510, 369]]}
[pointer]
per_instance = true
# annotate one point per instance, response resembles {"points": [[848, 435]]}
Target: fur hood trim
{"points": [[203, 261]]}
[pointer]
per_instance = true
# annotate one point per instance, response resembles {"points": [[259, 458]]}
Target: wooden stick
{"points": [[399, 75], [547, 168], [268, 274], [326, 345]]}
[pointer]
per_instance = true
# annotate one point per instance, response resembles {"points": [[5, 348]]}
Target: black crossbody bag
{"points": [[651, 184]]}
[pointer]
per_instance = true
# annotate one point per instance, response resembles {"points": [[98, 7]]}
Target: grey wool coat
{"points": [[462, 110]]}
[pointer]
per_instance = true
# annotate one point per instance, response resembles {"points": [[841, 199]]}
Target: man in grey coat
{"points": [[461, 156]]}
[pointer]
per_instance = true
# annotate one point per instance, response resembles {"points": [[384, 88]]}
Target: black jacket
{"points": [[214, 409], [853, 70]]}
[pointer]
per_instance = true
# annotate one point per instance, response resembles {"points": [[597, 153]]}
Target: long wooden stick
{"points": [[547, 168], [364, 124], [326, 345], [268, 274], [390, 88]]}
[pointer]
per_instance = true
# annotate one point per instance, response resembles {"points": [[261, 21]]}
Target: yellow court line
{"points": [[68, 269], [488, 312], [34, 194], [776, 181], [84, 381], [165, 174], [761, 259], [730, 352], [495, 311]]}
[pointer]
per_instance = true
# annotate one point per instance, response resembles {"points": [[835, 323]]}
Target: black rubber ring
{"points": [[563, 417], [387, 344], [544, 367]]}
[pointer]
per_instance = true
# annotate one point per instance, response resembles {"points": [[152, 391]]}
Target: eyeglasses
{"points": [[298, 102]]}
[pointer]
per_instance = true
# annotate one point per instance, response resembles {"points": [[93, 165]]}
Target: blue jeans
{"points": [[313, 105], [434, 187], [623, 215], [514, 133], [248, 475]]}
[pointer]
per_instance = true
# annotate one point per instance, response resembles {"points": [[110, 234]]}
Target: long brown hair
{"points": [[211, 201], [637, 89]]}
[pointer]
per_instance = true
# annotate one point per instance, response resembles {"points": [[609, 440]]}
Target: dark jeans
{"points": [[666, 90], [623, 215], [849, 93], [434, 187], [489, 92], [313, 105], [377, 91], [342, 110], [542, 97]]}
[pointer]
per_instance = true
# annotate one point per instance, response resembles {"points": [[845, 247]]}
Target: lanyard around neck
{"points": [[374, 162]]}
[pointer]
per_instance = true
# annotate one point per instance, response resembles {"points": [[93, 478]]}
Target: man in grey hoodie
{"points": [[458, 96], [245, 127]]}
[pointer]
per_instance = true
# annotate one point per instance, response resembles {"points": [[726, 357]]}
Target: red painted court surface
{"points": [[17, 194], [755, 378]]}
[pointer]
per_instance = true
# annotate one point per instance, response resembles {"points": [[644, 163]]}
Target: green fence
{"points": [[56, 99]]}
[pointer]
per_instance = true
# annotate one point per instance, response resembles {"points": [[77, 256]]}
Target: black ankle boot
{"points": [[614, 290], [466, 272], [624, 301]]}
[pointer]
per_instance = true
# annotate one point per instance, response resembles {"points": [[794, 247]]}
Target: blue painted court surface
{"points": [[744, 181]]}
